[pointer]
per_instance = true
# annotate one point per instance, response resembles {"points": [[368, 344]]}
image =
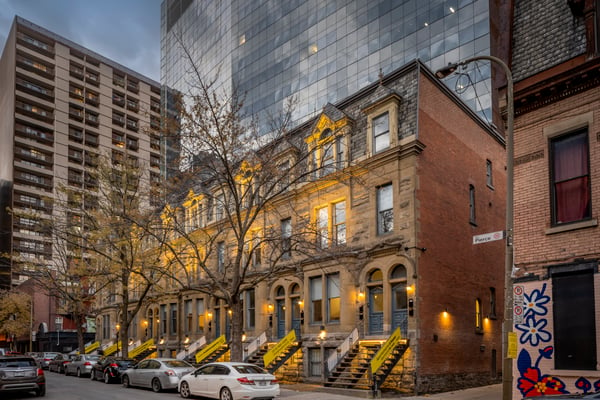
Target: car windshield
{"points": [[17, 363], [178, 364], [249, 369], [93, 358]]}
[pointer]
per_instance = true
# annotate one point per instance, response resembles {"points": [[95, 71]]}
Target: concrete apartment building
{"points": [[400, 218], [557, 195], [62, 106]]}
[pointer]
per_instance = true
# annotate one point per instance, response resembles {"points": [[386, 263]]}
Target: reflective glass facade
{"points": [[320, 51]]}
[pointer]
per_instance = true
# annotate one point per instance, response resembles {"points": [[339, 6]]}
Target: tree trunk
{"points": [[237, 318]]}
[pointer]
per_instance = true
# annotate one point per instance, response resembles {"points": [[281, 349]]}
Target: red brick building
{"points": [[557, 195]]}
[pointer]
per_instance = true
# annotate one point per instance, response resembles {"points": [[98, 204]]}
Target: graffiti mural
{"points": [[536, 351]]}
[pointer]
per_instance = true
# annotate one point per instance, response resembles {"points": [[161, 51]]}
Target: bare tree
{"points": [[246, 179]]}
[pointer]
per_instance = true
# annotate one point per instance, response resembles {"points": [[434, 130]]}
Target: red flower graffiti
{"points": [[532, 383]]}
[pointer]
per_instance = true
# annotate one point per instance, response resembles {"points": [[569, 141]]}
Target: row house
{"points": [[404, 176]]}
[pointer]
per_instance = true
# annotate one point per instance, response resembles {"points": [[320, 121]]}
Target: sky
{"points": [[125, 31]]}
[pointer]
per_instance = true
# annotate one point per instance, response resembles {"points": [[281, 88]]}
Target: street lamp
{"points": [[507, 326], [117, 327]]}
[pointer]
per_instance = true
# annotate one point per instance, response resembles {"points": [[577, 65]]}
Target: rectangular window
{"points": [[220, 256], [250, 305], [286, 237], [316, 300], [327, 159], [571, 197], [322, 227], [256, 250], [574, 320], [200, 315], [381, 133], [472, 218], [489, 179], [385, 209], [339, 223], [187, 309], [478, 316], [173, 307], [333, 297], [163, 319], [340, 152], [315, 362], [492, 303]]}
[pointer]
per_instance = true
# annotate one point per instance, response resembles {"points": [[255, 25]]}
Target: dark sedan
{"points": [[109, 369], [58, 363]]}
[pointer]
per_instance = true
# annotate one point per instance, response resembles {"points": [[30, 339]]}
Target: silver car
{"points": [[156, 373], [81, 365]]}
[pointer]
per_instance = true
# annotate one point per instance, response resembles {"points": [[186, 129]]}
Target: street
{"points": [[60, 387]]}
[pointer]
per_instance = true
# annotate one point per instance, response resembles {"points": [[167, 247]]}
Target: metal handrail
{"points": [[342, 350]]}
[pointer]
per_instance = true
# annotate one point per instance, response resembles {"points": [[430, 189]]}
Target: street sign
{"points": [[488, 237], [518, 301]]}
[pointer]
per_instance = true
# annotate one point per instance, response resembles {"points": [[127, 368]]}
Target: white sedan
{"points": [[229, 381]]}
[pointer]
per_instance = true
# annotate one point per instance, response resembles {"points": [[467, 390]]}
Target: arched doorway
{"points": [[375, 288], [399, 299], [296, 308], [280, 310]]}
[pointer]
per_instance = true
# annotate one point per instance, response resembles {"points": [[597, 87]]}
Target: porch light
{"points": [[323, 333]]}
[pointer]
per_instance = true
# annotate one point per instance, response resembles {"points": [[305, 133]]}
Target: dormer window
{"points": [[381, 132], [382, 122], [328, 146]]}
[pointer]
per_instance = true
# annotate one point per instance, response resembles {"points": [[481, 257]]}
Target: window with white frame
{"points": [[339, 222], [385, 209], [286, 237], [381, 132], [323, 227]]}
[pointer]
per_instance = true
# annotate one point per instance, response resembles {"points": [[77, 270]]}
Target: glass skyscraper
{"points": [[320, 51]]}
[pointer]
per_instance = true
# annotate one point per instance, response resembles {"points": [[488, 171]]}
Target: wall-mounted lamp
{"points": [[322, 333], [230, 312], [162, 340], [361, 297], [411, 307], [243, 336], [130, 341], [117, 327], [186, 341], [209, 315], [301, 303], [445, 313], [270, 308]]}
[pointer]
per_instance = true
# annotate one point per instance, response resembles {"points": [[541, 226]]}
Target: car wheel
{"points": [[78, 373], [106, 377], [225, 394], [125, 381], [156, 386], [92, 375], [66, 372], [41, 392], [184, 390]]}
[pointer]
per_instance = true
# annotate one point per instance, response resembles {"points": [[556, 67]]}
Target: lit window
{"points": [[571, 197], [333, 297], [478, 316], [385, 209]]}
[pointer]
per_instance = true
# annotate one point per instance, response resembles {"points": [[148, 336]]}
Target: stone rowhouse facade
{"points": [[446, 171], [62, 106], [557, 245]]}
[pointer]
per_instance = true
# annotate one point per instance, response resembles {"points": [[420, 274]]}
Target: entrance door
{"points": [[296, 317], [280, 318], [217, 322], [399, 308], [376, 309]]}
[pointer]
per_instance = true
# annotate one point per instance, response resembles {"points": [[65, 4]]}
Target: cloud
{"points": [[127, 32]]}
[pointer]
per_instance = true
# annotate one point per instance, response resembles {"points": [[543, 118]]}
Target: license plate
{"points": [[262, 383], [17, 374]]}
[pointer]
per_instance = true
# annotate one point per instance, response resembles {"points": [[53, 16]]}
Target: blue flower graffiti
{"points": [[533, 381]]}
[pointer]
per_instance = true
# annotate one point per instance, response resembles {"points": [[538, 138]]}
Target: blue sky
{"points": [[125, 31]]}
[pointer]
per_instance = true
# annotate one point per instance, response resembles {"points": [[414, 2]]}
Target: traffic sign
{"points": [[488, 237]]}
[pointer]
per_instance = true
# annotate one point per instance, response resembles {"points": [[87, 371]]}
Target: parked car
{"points": [[229, 381], [156, 373], [58, 363], [81, 365], [45, 358], [110, 369], [21, 374]]}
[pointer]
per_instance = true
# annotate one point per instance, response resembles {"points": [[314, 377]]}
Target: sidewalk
{"points": [[317, 392]]}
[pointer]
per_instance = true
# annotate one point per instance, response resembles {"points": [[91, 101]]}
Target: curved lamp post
{"points": [[507, 326]]}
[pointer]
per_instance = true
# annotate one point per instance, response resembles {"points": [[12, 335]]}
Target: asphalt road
{"points": [[60, 387]]}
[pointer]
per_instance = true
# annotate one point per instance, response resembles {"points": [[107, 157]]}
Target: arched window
{"points": [[478, 316], [376, 276]]}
